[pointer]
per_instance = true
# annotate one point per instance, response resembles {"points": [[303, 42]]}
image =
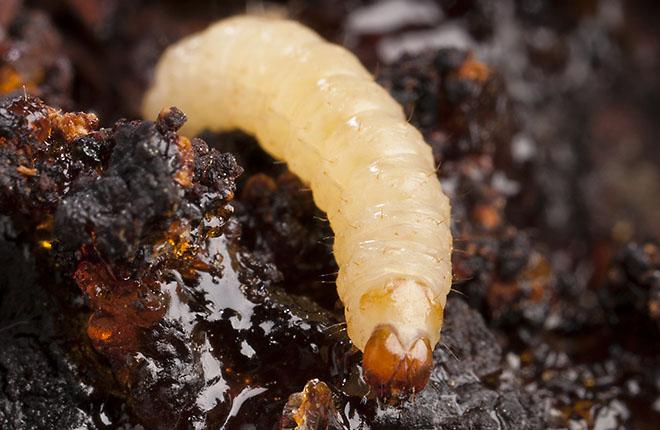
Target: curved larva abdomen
{"points": [[315, 106]]}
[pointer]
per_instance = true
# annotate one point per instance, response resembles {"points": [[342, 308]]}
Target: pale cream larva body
{"points": [[313, 105]]}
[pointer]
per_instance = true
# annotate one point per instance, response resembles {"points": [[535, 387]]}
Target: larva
{"points": [[312, 104]]}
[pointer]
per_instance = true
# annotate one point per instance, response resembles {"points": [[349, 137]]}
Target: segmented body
{"points": [[312, 104]]}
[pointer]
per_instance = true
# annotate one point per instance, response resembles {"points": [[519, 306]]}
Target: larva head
{"points": [[396, 328], [395, 367]]}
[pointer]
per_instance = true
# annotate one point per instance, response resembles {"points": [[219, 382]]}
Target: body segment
{"points": [[313, 105]]}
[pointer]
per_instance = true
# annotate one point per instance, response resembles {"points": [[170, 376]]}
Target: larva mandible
{"points": [[312, 104]]}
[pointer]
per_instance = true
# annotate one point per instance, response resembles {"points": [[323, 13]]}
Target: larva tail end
{"points": [[393, 369]]}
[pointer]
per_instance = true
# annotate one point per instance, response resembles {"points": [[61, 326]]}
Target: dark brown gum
{"points": [[393, 369]]}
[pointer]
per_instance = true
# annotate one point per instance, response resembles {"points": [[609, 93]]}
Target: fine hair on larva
{"points": [[312, 104]]}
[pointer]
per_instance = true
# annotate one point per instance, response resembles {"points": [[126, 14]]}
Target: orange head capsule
{"points": [[395, 368]]}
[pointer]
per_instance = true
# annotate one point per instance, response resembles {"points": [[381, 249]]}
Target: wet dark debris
{"points": [[40, 155], [152, 178], [281, 223], [40, 385], [109, 189], [39, 390]]}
